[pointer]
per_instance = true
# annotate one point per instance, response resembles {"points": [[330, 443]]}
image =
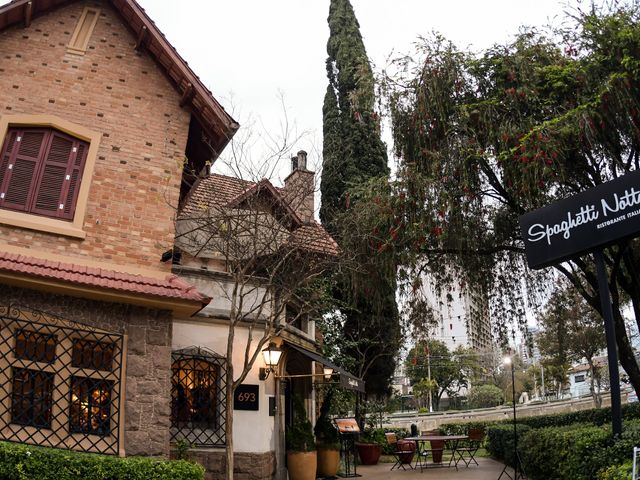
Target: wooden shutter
{"points": [[5, 154], [41, 171], [22, 167], [55, 175], [74, 173]]}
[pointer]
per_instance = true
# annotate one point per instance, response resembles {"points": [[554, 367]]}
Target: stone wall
{"points": [[147, 398], [430, 421], [248, 466], [121, 94]]}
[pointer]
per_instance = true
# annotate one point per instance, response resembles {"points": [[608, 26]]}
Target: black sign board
{"points": [[246, 398], [350, 382], [577, 225]]}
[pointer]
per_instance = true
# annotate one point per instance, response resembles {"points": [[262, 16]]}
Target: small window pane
{"points": [[90, 409], [31, 397], [39, 347], [92, 354]]}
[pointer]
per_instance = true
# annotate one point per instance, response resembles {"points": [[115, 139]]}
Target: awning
{"points": [[347, 380]]}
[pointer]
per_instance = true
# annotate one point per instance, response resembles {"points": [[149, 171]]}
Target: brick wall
{"points": [[122, 94], [147, 399]]}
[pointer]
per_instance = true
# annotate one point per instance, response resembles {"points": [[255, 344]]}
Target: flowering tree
{"points": [[482, 139]]}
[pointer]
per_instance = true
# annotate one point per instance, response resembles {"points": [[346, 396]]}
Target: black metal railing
{"points": [[59, 382], [198, 403]]}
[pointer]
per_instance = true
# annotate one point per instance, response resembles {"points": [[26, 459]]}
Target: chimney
{"points": [[299, 187]]}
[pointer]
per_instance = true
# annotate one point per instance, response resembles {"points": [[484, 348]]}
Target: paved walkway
{"points": [[487, 470]]}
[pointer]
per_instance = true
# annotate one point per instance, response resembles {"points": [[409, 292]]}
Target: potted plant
{"points": [[370, 445], [301, 447], [328, 441]]}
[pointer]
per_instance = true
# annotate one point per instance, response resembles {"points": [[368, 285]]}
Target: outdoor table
{"points": [[450, 442]]}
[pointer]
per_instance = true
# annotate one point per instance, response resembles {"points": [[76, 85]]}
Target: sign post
{"points": [[581, 224], [609, 330]]}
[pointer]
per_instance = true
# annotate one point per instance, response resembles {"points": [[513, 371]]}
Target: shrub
{"points": [[326, 433], [462, 428], [617, 472], [578, 452], [299, 436], [556, 453], [485, 396], [500, 441], [596, 416], [22, 462]]}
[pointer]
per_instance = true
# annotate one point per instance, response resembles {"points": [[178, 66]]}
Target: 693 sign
{"points": [[246, 398]]}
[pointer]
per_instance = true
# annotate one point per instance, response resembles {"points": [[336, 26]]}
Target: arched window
{"points": [[198, 397]]}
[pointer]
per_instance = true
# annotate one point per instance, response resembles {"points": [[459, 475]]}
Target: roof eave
{"points": [[178, 306]]}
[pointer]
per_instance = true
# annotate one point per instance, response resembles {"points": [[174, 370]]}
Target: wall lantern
{"points": [[328, 372], [271, 356]]}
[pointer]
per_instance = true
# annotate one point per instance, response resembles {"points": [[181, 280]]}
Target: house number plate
{"points": [[246, 398]]}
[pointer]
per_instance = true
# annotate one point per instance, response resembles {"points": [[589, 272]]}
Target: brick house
{"points": [[97, 114]]}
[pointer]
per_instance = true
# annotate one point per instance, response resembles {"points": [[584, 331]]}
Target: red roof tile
{"points": [[314, 237], [171, 287], [221, 190]]}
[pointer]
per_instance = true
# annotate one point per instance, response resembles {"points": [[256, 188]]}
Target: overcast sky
{"points": [[250, 50]]}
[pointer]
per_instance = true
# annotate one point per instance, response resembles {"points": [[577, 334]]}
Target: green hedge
{"points": [[617, 472], [574, 445], [23, 462], [500, 441], [556, 453], [578, 452], [595, 416]]}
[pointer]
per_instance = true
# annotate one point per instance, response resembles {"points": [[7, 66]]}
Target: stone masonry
{"points": [[122, 94], [248, 466], [147, 398]]}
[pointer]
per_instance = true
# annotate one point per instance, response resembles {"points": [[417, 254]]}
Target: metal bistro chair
{"points": [[476, 437], [398, 453]]}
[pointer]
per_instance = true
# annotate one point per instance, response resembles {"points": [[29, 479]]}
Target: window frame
{"points": [[198, 435], [15, 427], [71, 228]]}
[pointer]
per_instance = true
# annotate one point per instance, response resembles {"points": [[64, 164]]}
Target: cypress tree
{"points": [[352, 154]]}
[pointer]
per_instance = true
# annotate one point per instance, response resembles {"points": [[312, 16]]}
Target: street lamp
{"points": [[516, 457], [271, 356]]}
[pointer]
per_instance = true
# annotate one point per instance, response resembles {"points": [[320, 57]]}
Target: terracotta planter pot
{"points": [[302, 465], [369, 453], [328, 462], [406, 446], [437, 446]]}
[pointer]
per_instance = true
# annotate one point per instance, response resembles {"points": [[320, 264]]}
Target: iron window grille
{"points": [[198, 398], [59, 382]]}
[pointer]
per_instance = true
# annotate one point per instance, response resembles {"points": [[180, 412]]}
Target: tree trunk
{"points": [[229, 403], [625, 351], [597, 400]]}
